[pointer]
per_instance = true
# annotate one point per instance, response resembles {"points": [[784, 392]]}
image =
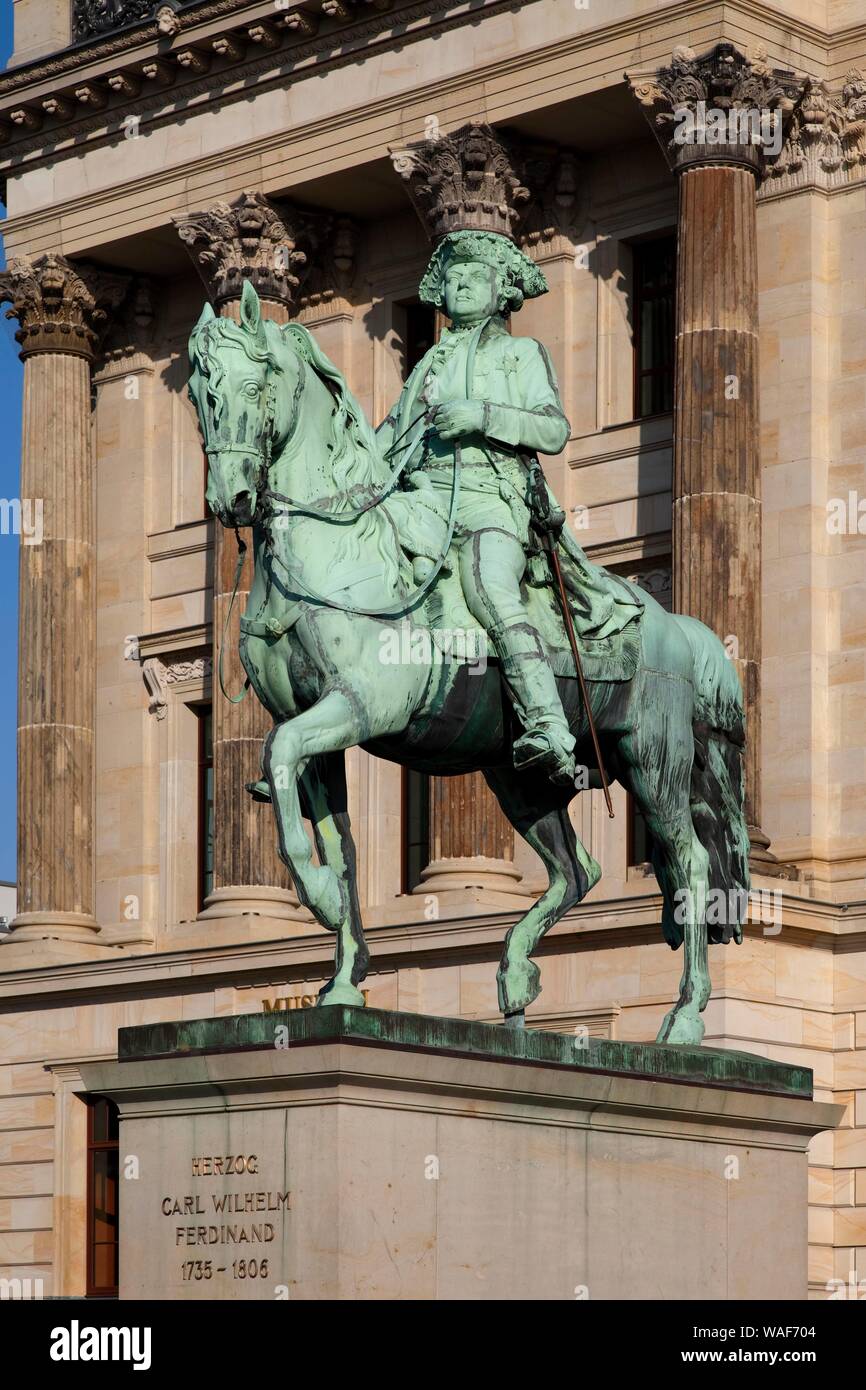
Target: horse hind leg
{"points": [[539, 811], [658, 774]]}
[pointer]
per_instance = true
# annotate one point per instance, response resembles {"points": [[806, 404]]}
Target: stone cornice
{"points": [[113, 46], [621, 921], [650, 34], [226, 42]]}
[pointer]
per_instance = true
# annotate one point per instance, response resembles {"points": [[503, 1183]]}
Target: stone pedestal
{"points": [[355, 1154]]}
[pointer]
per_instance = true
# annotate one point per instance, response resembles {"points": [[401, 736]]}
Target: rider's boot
{"points": [[548, 743]]}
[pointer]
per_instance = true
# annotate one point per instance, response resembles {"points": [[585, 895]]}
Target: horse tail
{"points": [[716, 795]]}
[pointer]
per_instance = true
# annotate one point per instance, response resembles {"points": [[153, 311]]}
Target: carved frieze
{"points": [[128, 341], [159, 674], [333, 252], [61, 307], [826, 141], [93, 18], [657, 581], [558, 208]]}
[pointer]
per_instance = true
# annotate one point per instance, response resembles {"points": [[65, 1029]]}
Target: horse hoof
{"points": [[682, 1029], [340, 994], [515, 1020]]}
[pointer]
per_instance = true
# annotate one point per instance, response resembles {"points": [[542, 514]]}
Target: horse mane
{"points": [[355, 455]]}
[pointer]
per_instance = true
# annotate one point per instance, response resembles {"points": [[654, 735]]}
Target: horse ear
{"points": [[251, 310], [206, 315]]}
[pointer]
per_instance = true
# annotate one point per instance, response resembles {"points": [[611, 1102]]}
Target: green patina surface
{"points": [[440, 522], [416, 1032]]}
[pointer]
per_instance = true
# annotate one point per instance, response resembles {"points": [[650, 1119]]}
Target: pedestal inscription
{"points": [[208, 1217], [227, 1226]]}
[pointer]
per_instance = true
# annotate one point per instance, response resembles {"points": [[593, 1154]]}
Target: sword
{"points": [[548, 525]]}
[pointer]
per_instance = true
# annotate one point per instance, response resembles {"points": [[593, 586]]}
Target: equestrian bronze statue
{"points": [[441, 524]]}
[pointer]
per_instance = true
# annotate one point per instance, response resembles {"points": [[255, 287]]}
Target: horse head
{"points": [[244, 418]]}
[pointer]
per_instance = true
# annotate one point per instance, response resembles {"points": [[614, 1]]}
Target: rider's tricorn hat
{"points": [[467, 191]]}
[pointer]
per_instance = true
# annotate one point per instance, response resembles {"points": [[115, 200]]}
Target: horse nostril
{"points": [[242, 508]]}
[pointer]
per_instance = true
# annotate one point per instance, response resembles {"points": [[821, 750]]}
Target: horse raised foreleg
{"points": [[539, 811], [327, 889]]}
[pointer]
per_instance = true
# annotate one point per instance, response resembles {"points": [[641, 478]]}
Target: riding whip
{"points": [[548, 524]]}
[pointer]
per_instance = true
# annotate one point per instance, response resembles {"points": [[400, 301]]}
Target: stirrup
{"points": [[536, 749]]}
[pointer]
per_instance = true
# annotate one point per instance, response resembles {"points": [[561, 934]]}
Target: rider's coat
{"points": [[523, 417]]}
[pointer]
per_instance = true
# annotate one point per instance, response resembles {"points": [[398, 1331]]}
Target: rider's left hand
{"points": [[454, 419]]}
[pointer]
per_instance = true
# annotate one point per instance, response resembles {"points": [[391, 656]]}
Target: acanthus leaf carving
{"points": [[826, 141], [251, 238], [61, 307], [466, 180], [723, 79]]}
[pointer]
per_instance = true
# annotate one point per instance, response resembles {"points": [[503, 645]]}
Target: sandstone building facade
{"points": [[707, 321]]}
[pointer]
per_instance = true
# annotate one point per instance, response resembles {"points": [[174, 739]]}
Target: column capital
{"points": [[469, 178], [251, 238], [718, 107], [492, 181], [60, 306]]}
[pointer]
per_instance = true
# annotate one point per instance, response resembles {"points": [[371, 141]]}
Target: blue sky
{"points": [[10, 472]]}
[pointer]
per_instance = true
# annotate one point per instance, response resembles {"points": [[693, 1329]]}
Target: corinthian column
{"points": [[62, 312], [715, 115], [229, 243]]}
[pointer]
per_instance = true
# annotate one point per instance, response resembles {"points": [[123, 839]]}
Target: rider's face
{"points": [[471, 291]]}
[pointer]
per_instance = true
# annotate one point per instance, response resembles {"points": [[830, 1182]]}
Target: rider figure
{"points": [[492, 400]]}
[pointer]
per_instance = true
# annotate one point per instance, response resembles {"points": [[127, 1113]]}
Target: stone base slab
{"points": [[253, 899], [28, 952], [368, 1155]]}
